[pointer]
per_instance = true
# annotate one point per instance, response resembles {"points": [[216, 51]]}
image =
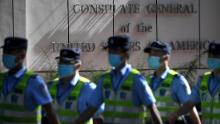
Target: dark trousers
{"points": [[186, 121], [45, 120], [95, 120]]}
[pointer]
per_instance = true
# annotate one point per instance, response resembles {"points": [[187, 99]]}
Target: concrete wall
{"points": [[6, 19], [44, 23]]}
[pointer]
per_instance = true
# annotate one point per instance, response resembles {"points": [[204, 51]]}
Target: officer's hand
{"points": [[172, 118]]}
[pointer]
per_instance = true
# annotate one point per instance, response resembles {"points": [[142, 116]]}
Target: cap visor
{"points": [[105, 47], [58, 57], [147, 49], [68, 59], [206, 51]]}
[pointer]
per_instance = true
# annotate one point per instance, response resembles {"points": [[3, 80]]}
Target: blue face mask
{"points": [[213, 63], [9, 61], [65, 70], [114, 60], [153, 62]]}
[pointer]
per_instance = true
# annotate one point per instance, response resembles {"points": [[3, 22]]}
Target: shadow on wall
{"points": [[83, 29], [191, 69]]}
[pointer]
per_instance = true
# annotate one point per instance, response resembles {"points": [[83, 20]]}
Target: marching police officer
{"points": [[23, 93], [124, 91], [171, 88], [71, 91], [206, 91]]}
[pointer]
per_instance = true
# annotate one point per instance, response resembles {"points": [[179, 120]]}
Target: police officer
{"points": [[171, 88], [124, 91], [206, 91], [71, 92], [23, 93]]}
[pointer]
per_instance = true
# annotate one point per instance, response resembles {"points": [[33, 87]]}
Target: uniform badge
{"points": [[8, 41], [213, 46], [64, 53], [111, 41]]}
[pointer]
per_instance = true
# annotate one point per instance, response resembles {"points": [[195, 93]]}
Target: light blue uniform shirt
{"points": [[213, 87], [180, 89], [36, 92], [85, 93], [141, 92]]}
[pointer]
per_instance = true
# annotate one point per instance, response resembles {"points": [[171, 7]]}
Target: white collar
{"points": [[124, 69], [75, 79], [20, 72], [164, 74]]}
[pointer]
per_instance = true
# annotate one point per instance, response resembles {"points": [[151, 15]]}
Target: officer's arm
{"points": [[188, 106], [155, 114], [146, 97], [43, 98], [86, 115], [51, 115], [94, 102], [185, 108], [183, 92], [195, 116], [181, 111]]}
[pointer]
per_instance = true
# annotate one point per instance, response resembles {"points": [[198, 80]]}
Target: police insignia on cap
{"points": [[8, 41], [111, 41], [64, 53], [213, 46]]}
